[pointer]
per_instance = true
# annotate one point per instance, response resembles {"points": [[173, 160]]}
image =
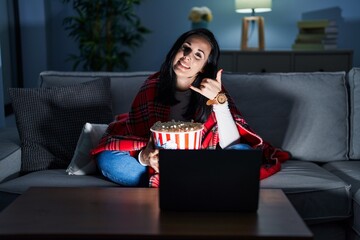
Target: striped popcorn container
{"points": [[178, 140]]}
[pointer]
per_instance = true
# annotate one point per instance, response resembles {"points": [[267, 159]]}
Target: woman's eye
{"points": [[185, 48], [198, 55]]}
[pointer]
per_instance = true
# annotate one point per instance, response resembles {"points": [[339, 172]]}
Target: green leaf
{"points": [[107, 31]]}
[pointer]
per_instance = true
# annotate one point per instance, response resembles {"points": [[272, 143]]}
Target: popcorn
{"points": [[177, 135], [173, 126]]}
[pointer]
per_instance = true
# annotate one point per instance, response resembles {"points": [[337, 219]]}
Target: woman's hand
{"points": [[208, 87], [150, 155]]}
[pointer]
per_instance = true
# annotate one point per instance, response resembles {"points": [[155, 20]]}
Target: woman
{"points": [[187, 87]]}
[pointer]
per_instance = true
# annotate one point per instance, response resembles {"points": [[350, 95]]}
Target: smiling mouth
{"points": [[182, 65]]}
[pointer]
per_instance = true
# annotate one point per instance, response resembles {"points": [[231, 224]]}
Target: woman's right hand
{"points": [[150, 155]]}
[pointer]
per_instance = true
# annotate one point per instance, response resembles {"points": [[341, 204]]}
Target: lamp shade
{"points": [[249, 6]]}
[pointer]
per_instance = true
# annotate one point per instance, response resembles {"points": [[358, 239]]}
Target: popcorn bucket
{"points": [[177, 140]]}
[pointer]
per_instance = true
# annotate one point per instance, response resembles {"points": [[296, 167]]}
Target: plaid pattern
{"points": [[130, 132]]}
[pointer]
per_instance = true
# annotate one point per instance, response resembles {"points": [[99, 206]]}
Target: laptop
{"points": [[209, 180]]}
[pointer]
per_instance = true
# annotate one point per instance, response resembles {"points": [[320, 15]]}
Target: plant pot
{"points": [[201, 24]]}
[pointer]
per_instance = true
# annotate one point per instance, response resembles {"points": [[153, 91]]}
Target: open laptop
{"points": [[209, 180]]}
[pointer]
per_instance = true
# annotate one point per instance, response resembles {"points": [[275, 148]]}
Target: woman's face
{"points": [[190, 60]]}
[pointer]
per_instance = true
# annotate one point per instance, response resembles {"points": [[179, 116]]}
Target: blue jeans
{"points": [[125, 170], [239, 146]]}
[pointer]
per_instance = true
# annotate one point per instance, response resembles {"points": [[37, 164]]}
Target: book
{"points": [[307, 37], [316, 35], [329, 41], [313, 46], [316, 39], [320, 30], [322, 23], [321, 41]]}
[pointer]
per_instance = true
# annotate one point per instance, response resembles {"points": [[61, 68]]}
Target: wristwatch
{"points": [[219, 99]]}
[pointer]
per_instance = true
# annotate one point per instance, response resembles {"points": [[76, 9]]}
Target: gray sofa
{"points": [[315, 116]]}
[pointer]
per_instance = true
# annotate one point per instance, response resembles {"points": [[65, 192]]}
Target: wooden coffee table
{"points": [[133, 213]]}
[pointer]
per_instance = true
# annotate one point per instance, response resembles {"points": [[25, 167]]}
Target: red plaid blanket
{"points": [[130, 132]]}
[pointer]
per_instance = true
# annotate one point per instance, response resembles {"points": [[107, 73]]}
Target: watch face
{"points": [[221, 98]]}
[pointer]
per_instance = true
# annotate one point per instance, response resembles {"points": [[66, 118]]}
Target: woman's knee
{"points": [[107, 159], [122, 168]]}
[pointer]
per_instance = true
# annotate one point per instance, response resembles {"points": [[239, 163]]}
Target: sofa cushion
{"points": [[354, 83], [50, 120], [313, 191], [82, 162], [10, 153], [349, 171], [303, 113], [356, 220], [124, 85], [53, 178]]}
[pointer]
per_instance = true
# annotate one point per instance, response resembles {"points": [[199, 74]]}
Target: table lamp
{"points": [[252, 6]]}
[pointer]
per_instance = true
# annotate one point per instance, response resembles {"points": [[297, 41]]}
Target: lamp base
{"points": [[245, 30]]}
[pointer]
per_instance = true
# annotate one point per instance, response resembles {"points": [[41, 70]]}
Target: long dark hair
{"points": [[197, 110]]}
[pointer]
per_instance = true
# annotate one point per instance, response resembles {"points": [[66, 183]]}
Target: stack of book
{"points": [[316, 35]]}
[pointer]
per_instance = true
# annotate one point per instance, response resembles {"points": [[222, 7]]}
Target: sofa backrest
{"points": [[304, 113], [124, 86], [354, 86]]}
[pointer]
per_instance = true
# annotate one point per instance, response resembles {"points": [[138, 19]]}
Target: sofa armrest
{"points": [[10, 153]]}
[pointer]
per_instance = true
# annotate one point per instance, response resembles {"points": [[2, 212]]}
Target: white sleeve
{"points": [[228, 132]]}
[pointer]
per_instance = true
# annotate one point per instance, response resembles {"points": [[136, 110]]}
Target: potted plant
{"points": [[107, 32], [200, 17]]}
